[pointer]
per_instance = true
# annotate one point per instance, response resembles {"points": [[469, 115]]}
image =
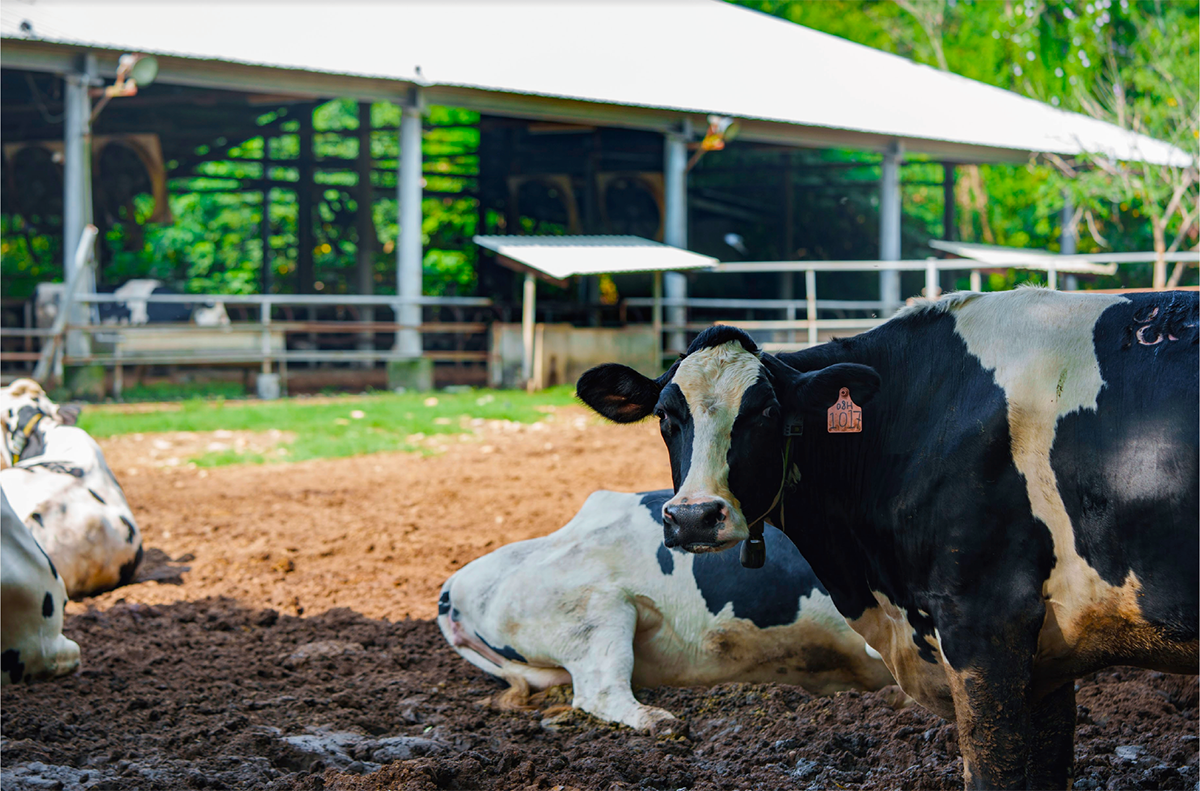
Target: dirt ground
{"points": [[279, 636]]}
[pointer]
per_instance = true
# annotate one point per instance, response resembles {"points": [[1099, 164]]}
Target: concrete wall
{"points": [[562, 352]]}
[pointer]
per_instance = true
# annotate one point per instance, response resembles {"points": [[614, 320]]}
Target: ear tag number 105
{"points": [[845, 416]]}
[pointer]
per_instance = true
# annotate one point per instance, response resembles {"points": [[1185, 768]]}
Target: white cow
{"points": [[601, 604], [62, 489], [32, 597]]}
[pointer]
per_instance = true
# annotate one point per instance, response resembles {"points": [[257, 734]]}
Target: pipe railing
{"points": [[271, 351], [812, 324]]}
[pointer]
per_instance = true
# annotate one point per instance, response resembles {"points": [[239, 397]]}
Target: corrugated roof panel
{"points": [[562, 257], [692, 55]]}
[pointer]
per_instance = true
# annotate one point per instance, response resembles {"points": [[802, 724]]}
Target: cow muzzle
{"points": [[706, 526]]}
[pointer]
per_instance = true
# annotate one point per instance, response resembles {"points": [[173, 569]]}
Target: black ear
{"points": [[620, 393], [816, 391], [68, 414]]}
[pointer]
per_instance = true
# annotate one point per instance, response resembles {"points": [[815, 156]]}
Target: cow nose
{"points": [[694, 516]]}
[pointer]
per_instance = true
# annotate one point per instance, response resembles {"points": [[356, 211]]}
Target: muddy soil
{"points": [[278, 637]]}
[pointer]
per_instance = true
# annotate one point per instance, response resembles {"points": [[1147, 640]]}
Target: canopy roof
{"points": [[640, 65], [560, 257]]}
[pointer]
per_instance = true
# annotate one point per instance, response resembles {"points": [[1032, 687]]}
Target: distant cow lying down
{"points": [[62, 489], [32, 596], [601, 603]]}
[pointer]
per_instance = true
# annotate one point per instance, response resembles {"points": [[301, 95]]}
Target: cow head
{"points": [[26, 412], [722, 409]]}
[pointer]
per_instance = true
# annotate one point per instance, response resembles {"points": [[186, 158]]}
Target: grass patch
{"points": [[331, 428]]}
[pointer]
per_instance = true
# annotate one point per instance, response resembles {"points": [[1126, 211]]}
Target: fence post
{"points": [[810, 296], [932, 288], [976, 280], [267, 388]]}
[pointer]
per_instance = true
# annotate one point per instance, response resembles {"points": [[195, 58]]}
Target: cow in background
{"points": [[601, 604], [62, 489], [1000, 492], [133, 309], [32, 597]]}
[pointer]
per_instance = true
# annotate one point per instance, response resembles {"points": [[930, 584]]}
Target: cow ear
{"points": [[620, 393], [68, 414], [816, 391]]}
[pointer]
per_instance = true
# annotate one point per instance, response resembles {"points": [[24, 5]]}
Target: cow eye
{"points": [[771, 412]]}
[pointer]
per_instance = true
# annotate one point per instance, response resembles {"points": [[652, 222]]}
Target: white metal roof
{"points": [[697, 56], [561, 257]]}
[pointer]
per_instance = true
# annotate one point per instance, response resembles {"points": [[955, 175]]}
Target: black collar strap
{"points": [[754, 548]]}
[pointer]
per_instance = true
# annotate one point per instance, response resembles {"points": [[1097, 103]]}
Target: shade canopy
{"points": [[560, 257], [642, 65]]}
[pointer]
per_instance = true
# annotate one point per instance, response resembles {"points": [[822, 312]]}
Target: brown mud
{"points": [[278, 637]]}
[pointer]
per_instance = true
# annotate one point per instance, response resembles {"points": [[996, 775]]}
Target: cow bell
{"points": [[754, 552]]}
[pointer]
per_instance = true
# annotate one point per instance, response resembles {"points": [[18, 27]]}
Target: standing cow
{"points": [[32, 597], [63, 490], [601, 603], [998, 490]]}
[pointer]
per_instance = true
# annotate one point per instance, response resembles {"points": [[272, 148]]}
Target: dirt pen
{"points": [[280, 636]]}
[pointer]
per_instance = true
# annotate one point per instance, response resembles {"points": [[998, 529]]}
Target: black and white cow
{"points": [[32, 596], [62, 489], [601, 603], [133, 308], [1018, 506]]}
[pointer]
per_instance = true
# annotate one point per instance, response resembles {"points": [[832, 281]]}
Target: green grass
{"points": [[326, 429]]}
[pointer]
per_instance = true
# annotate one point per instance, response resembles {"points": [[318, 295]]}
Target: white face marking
{"points": [[1038, 345], [713, 381]]}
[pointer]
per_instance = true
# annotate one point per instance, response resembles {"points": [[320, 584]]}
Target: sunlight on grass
{"points": [[331, 427]]}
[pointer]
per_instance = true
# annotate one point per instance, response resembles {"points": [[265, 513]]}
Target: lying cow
{"points": [[998, 490], [602, 603], [32, 597], [62, 489]]}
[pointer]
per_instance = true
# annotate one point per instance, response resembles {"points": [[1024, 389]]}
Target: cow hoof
{"points": [[674, 728]]}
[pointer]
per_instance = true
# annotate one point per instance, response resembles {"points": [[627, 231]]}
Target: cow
{"points": [[61, 488], [134, 308], [32, 597], [601, 603], [999, 492]]}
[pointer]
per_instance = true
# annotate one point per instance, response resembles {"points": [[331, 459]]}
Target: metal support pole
{"points": [[528, 314], [889, 226], [810, 297], [77, 196], [675, 230], [657, 319], [976, 280], [408, 256], [1068, 237]]}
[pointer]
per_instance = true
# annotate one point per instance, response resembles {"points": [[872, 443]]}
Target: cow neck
{"points": [[832, 504]]}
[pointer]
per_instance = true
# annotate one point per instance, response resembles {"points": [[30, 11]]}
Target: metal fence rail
{"points": [[812, 325]]}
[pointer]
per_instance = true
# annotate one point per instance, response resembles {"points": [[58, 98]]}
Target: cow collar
{"points": [[754, 548], [21, 434]]}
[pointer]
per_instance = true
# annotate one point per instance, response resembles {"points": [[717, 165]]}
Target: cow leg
{"points": [[987, 653], [601, 668], [1052, 749]]}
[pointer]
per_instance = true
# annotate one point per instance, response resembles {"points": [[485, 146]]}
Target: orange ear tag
{"points": [[845, 417]]}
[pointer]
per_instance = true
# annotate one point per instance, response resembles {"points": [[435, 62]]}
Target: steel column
{"points": [[675, 230], [77, 195], [408, 255], [889, 226], [1068, 237], [528, 318]]}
